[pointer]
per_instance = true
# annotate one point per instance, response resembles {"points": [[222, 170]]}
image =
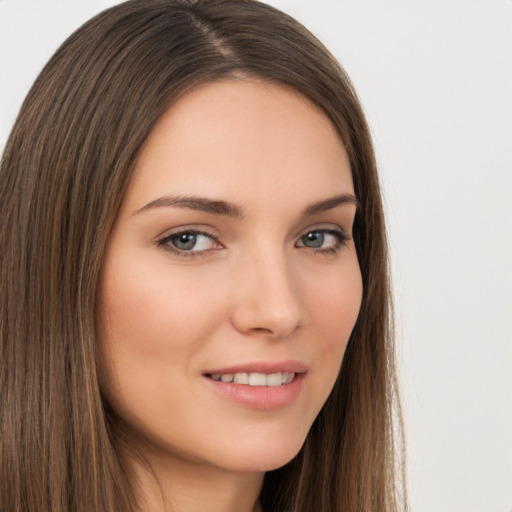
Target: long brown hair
{"points": [[64, 171]]}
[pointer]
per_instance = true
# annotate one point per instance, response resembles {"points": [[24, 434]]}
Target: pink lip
{"points": [[260, 397], [262, 367]]}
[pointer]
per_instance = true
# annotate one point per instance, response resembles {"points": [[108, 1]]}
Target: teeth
{"points": [[256, 379], [287, 377], [241, 378], [274, 379]]}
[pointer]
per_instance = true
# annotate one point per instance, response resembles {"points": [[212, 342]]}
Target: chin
{"points": [[263, 457]]}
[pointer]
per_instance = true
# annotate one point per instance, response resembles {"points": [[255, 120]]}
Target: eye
{"points": [[188, 243], [323, 240]]}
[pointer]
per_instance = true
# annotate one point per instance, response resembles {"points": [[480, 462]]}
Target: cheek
{"points": [[335, 301], [152, 325], [149, 312], [334, 308]]}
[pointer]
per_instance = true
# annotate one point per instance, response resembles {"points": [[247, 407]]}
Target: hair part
{"points": [[63, 175]]}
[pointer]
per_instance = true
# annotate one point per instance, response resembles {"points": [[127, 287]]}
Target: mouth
{"points": [[255, 378], [259, 385]]}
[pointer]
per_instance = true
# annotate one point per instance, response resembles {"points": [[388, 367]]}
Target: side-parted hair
{"points": [[63, 175]]}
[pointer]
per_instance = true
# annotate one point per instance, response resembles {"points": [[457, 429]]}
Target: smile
{"points": [[263, 385], [255, 378]]}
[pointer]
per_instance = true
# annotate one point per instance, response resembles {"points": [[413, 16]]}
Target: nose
{"points": [[267, 298]]}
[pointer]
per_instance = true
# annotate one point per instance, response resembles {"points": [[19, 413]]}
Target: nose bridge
{"points": [[268, 300]]}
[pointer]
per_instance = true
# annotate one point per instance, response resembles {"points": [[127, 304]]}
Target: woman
{"points": [[194, 290]]}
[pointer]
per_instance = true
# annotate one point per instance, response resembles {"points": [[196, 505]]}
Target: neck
{"points": [[177, 485]]}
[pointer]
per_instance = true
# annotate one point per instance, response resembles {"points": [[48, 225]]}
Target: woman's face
{"points": [[231, 282]]}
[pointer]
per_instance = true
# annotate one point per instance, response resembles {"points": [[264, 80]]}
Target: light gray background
{"points": [[435, 78]]}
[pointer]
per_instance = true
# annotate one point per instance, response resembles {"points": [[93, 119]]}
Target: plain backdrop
{"points": [[435, 78]]}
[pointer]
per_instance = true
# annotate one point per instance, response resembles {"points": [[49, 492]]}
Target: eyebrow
{"points": [[219, 207], [329, 204], [196, 203]]}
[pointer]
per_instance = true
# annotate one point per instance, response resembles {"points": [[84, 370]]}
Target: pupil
{"points": [[314, 239], [185, 241]]}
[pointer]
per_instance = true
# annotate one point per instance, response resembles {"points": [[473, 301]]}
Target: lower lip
{"points": [[260, 397]]}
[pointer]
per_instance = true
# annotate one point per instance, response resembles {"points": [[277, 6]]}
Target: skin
{"points": [[251, 289]]}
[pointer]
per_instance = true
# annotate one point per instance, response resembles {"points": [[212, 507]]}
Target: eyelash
{"points": [[340, 236], [166, 242]]}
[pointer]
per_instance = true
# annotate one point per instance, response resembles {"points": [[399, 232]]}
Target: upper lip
{"points": [[267, 367]]}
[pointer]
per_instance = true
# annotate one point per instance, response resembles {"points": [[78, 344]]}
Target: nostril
{"points": [[262, 330]]}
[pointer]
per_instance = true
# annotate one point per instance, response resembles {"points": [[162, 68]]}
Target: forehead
{"points": [[242, 139]]}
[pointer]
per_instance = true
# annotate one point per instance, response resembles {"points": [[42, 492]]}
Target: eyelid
{"points": [[163, 241], [326, 228], [200, 229], [340, 235]]}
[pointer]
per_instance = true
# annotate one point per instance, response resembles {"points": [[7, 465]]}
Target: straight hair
{"points": [[63, 175]]}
